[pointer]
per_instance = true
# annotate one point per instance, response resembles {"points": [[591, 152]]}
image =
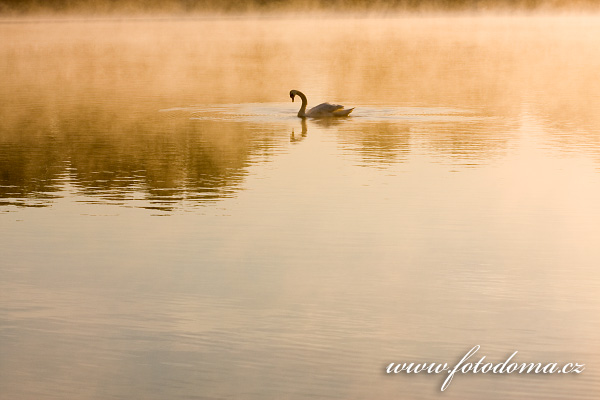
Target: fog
{"points": [[76, 89]]}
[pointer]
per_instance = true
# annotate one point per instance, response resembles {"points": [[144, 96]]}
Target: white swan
{"points": [[323, 110]]}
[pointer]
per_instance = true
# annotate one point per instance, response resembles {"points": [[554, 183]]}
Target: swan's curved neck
{"points": [[302, 112]]}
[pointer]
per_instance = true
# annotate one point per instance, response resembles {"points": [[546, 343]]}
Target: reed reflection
{"points": [[120, 159], [158, 160]]}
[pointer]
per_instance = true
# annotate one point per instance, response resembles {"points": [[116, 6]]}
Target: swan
{"points": [[323, 110]]}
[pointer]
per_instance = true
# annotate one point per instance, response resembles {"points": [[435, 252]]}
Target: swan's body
{"points": [[323, 110]]}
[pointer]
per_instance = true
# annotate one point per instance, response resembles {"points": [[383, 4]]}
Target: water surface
{"points": [[170, 228]]}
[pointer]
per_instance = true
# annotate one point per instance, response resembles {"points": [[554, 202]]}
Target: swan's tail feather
{"points": [[343, 113]]}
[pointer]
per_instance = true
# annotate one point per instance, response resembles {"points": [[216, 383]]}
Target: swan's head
{"points": [[292, 94]]}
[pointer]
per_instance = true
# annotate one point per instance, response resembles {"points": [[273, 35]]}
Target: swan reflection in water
{"points": [[321, 123], [323, 110], [294, 138]]}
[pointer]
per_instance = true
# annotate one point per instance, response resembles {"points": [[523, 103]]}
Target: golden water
{"points": [[171, 229]]}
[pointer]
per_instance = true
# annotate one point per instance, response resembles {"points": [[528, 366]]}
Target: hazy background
{"points": [[114, 76], [18, 7]]}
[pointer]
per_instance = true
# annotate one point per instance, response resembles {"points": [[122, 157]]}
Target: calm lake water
{"points": [[171, 230]]}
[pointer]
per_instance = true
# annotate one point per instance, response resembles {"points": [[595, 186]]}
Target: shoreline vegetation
{"points": [[143, 8]]}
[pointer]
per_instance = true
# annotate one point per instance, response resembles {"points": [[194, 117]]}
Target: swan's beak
{"points": [[292, 96]]}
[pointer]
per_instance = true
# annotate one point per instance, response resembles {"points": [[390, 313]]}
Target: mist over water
{"points": [[171, 229]]}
